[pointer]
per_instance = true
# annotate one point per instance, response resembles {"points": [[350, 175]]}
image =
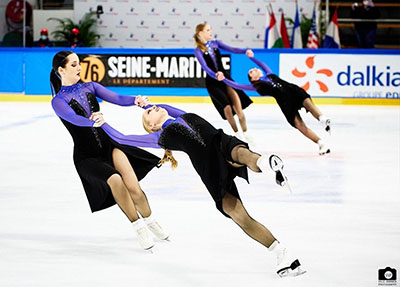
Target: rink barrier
{"points": [[370, 77], [207, 100]]}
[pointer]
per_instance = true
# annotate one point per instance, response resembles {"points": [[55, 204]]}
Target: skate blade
{"points": [[326, 152], [285, 184], [149, 250], [286, 187], [292, 273]]}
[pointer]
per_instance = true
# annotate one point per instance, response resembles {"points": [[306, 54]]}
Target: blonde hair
{"points": [[168, 156], [196, 37]]}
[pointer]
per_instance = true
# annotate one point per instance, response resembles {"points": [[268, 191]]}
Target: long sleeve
{"points": [[262, 65], [244, 87], [111, 96], [225, 47], [64, 111], [199, 55], [148, 140]]}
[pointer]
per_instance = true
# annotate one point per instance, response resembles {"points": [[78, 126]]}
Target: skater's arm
{"points": [[64, 111], [111, 96], [148, 140], [225, 47], [244, 87], [262, 65], [199, 55]]}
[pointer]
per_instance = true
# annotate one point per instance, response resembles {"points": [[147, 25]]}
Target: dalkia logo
{"points": [[310, 65]]}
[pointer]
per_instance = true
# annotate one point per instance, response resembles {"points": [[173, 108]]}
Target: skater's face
{"points": [[154, 117], [71, 74], [255, 74], [206, 33]]}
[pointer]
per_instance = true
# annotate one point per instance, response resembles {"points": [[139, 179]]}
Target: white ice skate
{"points": [[275, 164], [288, 265], [158, 231], [326, 122], [323, 148], [240, 135], [145, 239], [143, 234], [249, 139]]}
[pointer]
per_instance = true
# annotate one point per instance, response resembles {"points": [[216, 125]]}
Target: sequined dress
{"points": [[208, 148], [211, 62], [92, 146], [289, 97]]}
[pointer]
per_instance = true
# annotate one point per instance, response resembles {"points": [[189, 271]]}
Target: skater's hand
{"points": [[98, 119], [250, 53], [141, 101], [220, 76]]}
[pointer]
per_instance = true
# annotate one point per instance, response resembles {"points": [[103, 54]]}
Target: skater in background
{"points": [[109, 171], [227, 101], [290, 98], [217, 158]]}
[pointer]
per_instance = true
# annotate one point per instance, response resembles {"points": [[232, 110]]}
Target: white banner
{"points": [[335, 75], [171, 23]]}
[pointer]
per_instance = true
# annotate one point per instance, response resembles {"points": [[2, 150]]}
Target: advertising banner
{"points": [[348, 76], [145, 70]]}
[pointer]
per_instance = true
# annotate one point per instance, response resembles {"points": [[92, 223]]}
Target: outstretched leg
{"points": [[138, 197], [287, 263], [325, 121], [235, 209], [271, 165], [301, 126], [229, 117], [129, 178], [122, 197], [237, 107], [242, 155], [312, 108]]}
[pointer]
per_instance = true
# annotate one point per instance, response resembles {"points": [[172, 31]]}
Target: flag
{"points": [[297, 42], [313, 41], [284, 35], [273, 38], [332, 39]]}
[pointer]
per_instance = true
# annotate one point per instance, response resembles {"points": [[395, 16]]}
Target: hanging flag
{"points": [[313, 40], [273, 38], [297, 42], [285, 38], [332, 39]]}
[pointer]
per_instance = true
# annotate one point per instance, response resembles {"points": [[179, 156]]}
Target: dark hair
{"points": [[59, 60]]}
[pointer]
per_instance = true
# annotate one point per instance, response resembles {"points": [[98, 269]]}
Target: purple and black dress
{"points": [[211, 62], [289, 97], [92, 146], [208, 148]]}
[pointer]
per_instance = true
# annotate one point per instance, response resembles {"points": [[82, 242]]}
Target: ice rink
{"points": [[343, 218]]}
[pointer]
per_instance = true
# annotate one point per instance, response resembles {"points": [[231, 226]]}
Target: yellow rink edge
{"points": [[5, 97]]}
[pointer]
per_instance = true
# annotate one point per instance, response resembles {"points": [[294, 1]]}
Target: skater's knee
{"points": [[116, 184], [115, 180], [228, 111]]}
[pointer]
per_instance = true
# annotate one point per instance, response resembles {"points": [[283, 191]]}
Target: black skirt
{"points": [[95, 171], [219, 96], [209, 150], [289, 97]]}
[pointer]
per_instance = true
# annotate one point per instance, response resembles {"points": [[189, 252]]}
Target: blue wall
{"points": [[38, 65]]}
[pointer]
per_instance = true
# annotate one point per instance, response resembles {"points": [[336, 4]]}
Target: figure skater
{"points": [[226, 100], [109, 171], [290, 98], [217, 158]]}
